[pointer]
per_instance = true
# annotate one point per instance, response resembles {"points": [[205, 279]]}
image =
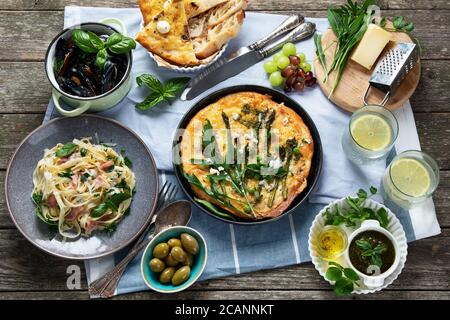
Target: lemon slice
{"points": [[371, 132], [410, 177]]}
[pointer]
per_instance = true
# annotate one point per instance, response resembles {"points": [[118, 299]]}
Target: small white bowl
{"points": [[394, 227]]}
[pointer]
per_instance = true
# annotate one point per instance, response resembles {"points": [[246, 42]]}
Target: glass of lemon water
{"points": [[411, 178], [370, 135]]}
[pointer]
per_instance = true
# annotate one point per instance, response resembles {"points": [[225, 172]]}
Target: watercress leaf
{"points": [[150, 81], [66, 150], [96, 42], [113, 39], [383, 217], [333, 274], [152, 100], [173, 87], [362, 194], [351, 274], [125, 45], [83, 41], [373, 190], [101, 58], [343, 287]]}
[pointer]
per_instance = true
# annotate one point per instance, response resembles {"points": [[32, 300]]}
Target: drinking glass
{"points": [[410, 178], [379, 129]]}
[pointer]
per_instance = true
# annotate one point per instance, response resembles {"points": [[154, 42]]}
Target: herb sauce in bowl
{"points": [[371, 249]]}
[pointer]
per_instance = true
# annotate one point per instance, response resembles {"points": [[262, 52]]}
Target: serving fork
{"points": [[105, 286]]}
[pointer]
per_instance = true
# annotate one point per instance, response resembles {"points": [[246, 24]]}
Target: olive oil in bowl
{"points": [[332, 242]]}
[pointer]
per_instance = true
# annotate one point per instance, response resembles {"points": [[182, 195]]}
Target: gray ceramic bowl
{"points": [[19, 185]]}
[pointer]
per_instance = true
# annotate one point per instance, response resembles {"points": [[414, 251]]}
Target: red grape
{"points": [[294, 60], [288, 71]]}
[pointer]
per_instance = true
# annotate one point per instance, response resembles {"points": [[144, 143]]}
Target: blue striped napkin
{"points": [[236, 249]]}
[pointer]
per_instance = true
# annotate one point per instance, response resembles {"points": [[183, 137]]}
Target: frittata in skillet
{"points": [[247, 156]]}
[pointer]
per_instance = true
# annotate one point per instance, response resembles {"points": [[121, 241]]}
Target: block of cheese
{"points": [[371, 45]]}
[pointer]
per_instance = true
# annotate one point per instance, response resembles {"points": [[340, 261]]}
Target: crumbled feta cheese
{"points": [[235, 116], [285, 121], [208, 160], [221, 168], [275, 163], [214, 171], [267, 186], [163, 26]]}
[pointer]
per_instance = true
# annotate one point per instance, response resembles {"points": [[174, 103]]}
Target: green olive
{"points": [[167, 275], [189, 243], [157, 265], [178, 254], [189, 260], [181, 275], [174, 242], [161, 250], [170, 261]]}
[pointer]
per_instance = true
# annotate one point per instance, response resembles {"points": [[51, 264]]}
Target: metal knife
{"points": [[241, 60]]}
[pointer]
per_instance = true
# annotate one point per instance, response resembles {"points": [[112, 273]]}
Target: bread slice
{"points": [[174, 46], [210, 32], [197, 7], [150, 8]]}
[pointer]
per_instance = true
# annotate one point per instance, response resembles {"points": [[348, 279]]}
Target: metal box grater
{"points": [[392, 69]]}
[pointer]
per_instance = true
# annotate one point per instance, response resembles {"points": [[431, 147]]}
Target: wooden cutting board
{"points": [[355, 79]]}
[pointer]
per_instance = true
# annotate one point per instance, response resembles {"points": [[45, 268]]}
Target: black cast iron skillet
{"points": [[278, 97]]}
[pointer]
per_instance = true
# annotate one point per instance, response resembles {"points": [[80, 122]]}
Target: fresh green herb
{"points": [[37, 198], [320, 53], [159, 92], [66, 150], [122, 185], [374, 253], [89, 42], [57, 65], [214, 210], [127, 161], [349, 23], [345, 279], [400, 24], [110, 228], [356, 212], [112, 203], [66, 174], [83, 152], [85, 176]]}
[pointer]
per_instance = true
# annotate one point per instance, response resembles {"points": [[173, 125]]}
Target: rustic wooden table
{"points": [[26, 28]]}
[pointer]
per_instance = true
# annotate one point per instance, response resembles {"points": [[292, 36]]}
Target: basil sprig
{"points": [[112, 203], [159, 91], [89, 42]]}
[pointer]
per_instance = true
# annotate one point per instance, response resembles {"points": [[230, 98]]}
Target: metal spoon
{"points": [[177, 213]]}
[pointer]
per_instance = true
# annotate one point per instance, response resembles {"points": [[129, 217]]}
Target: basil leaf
{"points": [[376, 260], [102, 56], [333, 274], [116, 199], [113, 39], [66, 150], [125, 45], [174, 86], [363, 244], [83, 152], [150, 81], [153, 99], [96, 42], [99, 210], [66, 174], [37, 198], [83, 41]]}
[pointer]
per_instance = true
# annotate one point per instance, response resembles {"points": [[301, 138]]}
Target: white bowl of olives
{"points": [[174, 259]]}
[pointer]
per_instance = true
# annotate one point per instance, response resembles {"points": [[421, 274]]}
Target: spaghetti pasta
{"points": [[80, 187]]}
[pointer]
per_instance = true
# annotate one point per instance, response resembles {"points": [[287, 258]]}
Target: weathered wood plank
{"points": [[25, 268], [34, 37], [253, 4], [25, 89], [14, 128], [433, 131], [234, 295], [441, 201]]}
